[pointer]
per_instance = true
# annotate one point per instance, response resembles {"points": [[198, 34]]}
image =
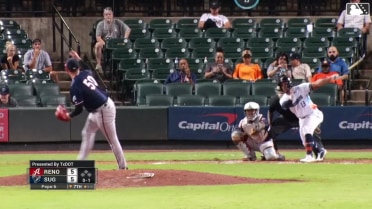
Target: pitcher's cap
{"points": [[72, 64]]}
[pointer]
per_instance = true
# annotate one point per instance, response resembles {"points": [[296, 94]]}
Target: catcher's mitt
{"points": [[62, 113]]}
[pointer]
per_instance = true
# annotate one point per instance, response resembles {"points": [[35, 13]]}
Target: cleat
{"points": [[308, 159], [281, 157], [321, 155]]}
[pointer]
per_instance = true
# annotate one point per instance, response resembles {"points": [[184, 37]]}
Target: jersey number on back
{"points": [[90, 82]]}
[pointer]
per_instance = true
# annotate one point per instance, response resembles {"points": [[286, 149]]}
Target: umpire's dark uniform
{"points": [[283, 121]]}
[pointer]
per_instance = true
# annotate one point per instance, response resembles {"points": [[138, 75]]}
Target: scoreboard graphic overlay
{"points": [[62, 174]]}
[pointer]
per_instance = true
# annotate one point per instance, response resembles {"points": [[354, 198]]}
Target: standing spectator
{"points": [[39, 59], [218, 70], [182, 75], [11, 59], [5, 99], [337, 64], [109, 27], [299, 70], [298, 101], [247, 70], [214, 19], [362, 22], [278, 67]]}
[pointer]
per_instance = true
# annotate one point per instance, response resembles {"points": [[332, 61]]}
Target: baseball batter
{"points": [[297, 99], [86, 93], [251, 135]]}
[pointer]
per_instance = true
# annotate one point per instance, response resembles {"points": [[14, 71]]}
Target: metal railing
{"points": [[64, 40]]}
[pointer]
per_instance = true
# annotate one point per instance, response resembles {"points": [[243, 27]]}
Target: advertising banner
{"points": [[4, 135], [217, 123]]}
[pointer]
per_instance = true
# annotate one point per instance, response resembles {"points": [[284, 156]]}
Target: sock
{"points": [[309, 144]]}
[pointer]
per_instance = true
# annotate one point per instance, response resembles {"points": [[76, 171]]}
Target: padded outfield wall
{"points": [[171, 123]]}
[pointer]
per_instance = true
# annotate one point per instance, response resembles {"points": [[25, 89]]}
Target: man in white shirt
{"points": [[214, 19], [362, 22]]}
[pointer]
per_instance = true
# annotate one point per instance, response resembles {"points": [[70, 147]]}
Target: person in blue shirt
{"points": [[86, 93], [337, 64], [182, 75]]}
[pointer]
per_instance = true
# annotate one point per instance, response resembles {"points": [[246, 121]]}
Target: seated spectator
{"points": [[362, 22], [278, 67], [5, 99], [37, 58], [218, 70], [182, 75], [108, 28], [247, 70], [214, 19], [325, 72], [337, 64], [11, 59], [299, 70]]}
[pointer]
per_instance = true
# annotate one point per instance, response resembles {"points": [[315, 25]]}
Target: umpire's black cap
{"points": [[72, 65]]}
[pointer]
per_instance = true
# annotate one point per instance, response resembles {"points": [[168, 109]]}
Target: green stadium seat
{"points": [[177, 89], [330, 89], [186, 23], [159, 100], [190, 100], [244, 33], [207, 89], [243, 23], [160, 63], [146, 88], [271, 22], [164, 33], [328, 32], [203, 52], [264, 88], [288, 42], [173, 43], [217, 33], [161, 74], [160, 23], [297, 32], [176, 52], [10, 33], [53, 100], [20, 89], [270, 32], [298, 22], [261, 100], [27, 101], [136, 33], [316, 42], [314, 63], [314, 52], [141, 43], [135, 23], [326, 22], [230, 42], [236, 89], [190, 33], [260, 42], [321, 99], [150, 52], [222, 101], [201, 42]]}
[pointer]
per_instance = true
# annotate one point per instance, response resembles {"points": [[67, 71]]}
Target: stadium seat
{"points": [[203, 52], [271, 32], [53, 100], [195, 43], [190, 33], [231, 42], [350, 32], [327, 22], [217, 33], [20, 89], [236, 89], [141, 43], [136, 33], [260, 42], [173, 43], [146, 88], [160, 23], [10, 33], [42, 89], [177, 89], [130, 63], [150, 52], [314, 52], [298, 22], [224, 101], [330, 89], [161, 74], [159, 100], [346, 52], [316, 42], [244, 33], [27, 101], [233, 53], [328, 32], [164, 33], [345, 41], [207, 89], [121, 54], [314, 63], [271, 22], [297, 32], [288, 50], [135, 23], [13, 76], [190, 100], [186, 23], [177, 52], [155, 63], [9, 23], [321, 99], [264, 88], [261, 100], [243, 23], [262, 52]]}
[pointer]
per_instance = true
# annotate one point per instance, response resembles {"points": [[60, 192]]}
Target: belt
{"points": [[100, 108]]}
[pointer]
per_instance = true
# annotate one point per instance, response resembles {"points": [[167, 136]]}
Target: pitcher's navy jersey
{"points": [[85, 90]]}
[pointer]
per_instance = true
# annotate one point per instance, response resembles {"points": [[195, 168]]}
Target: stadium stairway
{"points": [[359, 83]]}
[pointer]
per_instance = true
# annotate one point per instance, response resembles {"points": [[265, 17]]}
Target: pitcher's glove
{"points": [[62, 113]]}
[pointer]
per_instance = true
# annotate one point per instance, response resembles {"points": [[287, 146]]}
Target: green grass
{"points": [[318, 185]]}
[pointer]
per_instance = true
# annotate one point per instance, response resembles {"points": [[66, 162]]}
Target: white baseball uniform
{"points": [[308, 113]]}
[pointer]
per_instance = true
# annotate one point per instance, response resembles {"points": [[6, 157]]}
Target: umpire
{"points": [[281, 120]]}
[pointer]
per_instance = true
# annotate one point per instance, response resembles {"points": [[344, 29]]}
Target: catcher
{"points": [[251, 135]]}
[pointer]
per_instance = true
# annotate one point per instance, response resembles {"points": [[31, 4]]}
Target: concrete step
{"points": [[365, 73], [359, 84], [359, 95], [355, 103]]}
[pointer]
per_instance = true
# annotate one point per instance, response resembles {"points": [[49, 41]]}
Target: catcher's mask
{"points": [[285, 81], [251, 110]]}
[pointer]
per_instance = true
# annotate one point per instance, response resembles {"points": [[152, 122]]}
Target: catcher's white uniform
{"points": [[302, 106], [251, 136]]}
